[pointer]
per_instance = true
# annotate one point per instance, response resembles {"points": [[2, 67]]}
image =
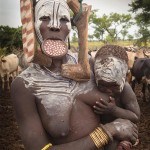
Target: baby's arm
{"points": [[130, 104], [130, 108]]}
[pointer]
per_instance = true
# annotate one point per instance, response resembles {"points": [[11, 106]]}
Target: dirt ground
{"points": [[9, 135]]}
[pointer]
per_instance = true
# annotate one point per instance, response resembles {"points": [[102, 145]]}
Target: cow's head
{"points": [[2, 59]]}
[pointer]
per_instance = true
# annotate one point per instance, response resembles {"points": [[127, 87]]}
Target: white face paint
{"points": [[111, 69], [55, 10]]}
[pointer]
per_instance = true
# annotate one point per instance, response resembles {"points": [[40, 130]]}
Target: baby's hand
{"points": [[104, 107]]}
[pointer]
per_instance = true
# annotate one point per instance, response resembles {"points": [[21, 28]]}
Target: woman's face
{"points": [[53, 25], [52, 20]]}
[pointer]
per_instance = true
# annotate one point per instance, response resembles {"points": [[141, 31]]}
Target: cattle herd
{"points": [[139, 70]]}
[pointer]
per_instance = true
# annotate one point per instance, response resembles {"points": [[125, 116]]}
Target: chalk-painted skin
{"points": [[52, 109], [110, 73], [55, 15]]}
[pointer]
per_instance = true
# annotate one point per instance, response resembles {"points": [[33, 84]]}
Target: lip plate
{"points": [[54, 56]]}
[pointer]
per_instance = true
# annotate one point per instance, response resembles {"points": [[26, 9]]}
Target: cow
{"points": [[132, 56], [141, 72], [8, 67]]}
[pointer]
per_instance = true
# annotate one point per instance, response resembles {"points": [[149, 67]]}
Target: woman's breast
{"points": [[75, 122], [83, 120]]}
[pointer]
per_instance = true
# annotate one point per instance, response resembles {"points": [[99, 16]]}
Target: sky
{"points": [[10, 9]]}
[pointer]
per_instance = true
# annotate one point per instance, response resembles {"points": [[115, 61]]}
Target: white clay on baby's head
{"points": [[111, 69]]}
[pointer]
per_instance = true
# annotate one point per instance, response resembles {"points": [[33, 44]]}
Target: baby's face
{"points": [[110, 74], [109, 88]]}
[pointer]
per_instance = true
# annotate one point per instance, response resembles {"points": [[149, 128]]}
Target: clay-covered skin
{"points": [[110, 75], [38, 109], [55, 15], [53, 109], [56, 100]]}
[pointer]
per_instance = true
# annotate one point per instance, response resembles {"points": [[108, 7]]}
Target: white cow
{"points": [[8, 67]]}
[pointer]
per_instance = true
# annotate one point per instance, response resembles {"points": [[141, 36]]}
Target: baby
{"points": [[110, 69]]}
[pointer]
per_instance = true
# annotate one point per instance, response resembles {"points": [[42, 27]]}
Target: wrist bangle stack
{"points": [[107, 132], [46, 146], [99, 137]]}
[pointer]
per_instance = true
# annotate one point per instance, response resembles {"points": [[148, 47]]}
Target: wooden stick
{"points": [[74, 5], [80, 71]]}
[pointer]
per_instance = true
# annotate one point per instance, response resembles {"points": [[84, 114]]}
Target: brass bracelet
{"points": [[46, 146], [106, 131], [99, 137], [103, 134]]}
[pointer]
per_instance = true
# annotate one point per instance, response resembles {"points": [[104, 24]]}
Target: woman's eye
{"points": [[45, 18], [64, 19]]}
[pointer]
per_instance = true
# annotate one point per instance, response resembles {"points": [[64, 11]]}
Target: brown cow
{"points": [[8, 67]]}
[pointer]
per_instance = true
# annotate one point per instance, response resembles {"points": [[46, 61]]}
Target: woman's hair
{"points": [[112, 50]]}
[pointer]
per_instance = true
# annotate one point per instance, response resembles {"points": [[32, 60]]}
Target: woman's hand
{"points": [[122, 129]]}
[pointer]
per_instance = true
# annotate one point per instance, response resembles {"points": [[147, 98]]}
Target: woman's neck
{"points": [[56, 65]]}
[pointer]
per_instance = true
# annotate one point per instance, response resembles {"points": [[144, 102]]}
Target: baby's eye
{"points": [[44, 18]]}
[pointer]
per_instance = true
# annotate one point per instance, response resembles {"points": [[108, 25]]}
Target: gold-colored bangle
{"points": [[103, 134], [104, 139], [93, 137], [46, 146], [99, 137], [107, 132]]}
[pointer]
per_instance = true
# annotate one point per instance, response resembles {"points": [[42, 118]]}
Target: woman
{"points": [[47, 110]]}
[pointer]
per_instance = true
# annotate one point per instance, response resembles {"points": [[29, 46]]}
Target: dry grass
{"points": [[97, 44]]}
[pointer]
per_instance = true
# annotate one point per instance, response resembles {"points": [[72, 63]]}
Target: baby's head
{"points": [[110, 68]]}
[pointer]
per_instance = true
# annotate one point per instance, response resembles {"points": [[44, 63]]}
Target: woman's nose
{"points": [[54, 28]]}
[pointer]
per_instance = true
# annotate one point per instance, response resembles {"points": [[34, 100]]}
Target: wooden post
{"points": [[80, 71]]}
